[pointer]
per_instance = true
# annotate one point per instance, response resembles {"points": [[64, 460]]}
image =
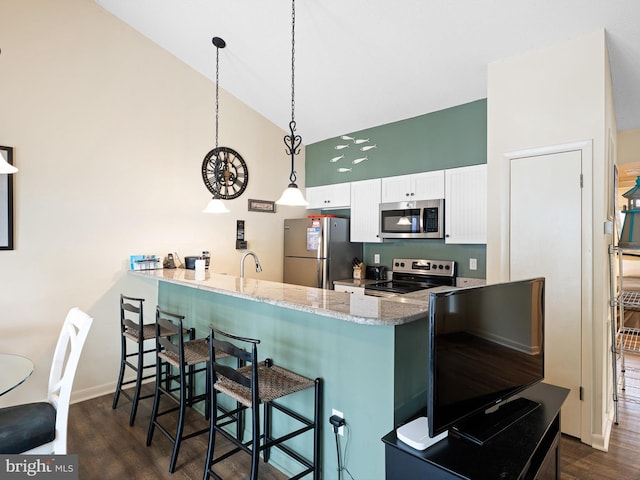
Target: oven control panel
{"points": [[419, 266]]}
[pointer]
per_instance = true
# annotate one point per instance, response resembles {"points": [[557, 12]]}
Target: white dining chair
{"points": [[41, 427]]}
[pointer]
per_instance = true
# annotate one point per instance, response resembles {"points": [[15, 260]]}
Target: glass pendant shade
{"points": [[630, 235], [292, 196], [6, 167], [216, 206]]}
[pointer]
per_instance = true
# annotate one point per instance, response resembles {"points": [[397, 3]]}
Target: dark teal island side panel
{"points": [[357, 363]]}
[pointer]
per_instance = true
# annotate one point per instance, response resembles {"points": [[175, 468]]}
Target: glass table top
{"points": [[14, 369]]}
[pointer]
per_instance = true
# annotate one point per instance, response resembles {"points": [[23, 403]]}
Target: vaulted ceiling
{"points": [[362, 63]]}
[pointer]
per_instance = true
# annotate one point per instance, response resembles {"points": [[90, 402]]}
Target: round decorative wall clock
{"points": [[225, 173]]}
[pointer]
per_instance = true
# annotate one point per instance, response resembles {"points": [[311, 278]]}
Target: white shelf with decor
{"points": [[625, 326]]}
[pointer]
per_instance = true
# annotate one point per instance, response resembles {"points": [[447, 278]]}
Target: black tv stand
{"points": [[482, 427], [527, 449]]}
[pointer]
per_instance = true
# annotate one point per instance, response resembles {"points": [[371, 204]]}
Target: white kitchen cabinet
{"points": [[349, 289], [329, 196], [365, 217], [465, 204], [417, 186]]}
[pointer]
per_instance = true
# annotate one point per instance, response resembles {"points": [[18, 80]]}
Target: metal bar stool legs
{"points": [[269, 439]]}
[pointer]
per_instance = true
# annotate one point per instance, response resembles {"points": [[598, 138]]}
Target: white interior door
{"points": [[545, 241]]}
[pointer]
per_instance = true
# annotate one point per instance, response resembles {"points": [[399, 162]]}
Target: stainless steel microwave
{"points": [[412, 219]]}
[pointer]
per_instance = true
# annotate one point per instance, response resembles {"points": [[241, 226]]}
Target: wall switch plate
{"points": [[473, 264], [376, 258]]}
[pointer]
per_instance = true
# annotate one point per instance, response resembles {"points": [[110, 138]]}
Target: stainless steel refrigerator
{"points": [[317, 251]]}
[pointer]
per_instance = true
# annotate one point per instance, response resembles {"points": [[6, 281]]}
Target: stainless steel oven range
{"points": [[412, 274]]}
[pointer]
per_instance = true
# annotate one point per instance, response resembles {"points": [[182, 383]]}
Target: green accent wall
{"points": [[431, 249], [454, 137]]}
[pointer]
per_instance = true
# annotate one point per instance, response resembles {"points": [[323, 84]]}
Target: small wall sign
{"points": [[262, 206]]}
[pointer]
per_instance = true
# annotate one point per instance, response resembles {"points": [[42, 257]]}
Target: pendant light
{"points": [[292, 195], [216, 205]]}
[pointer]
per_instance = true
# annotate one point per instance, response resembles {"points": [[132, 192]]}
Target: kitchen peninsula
{"points": [[371, 352]]}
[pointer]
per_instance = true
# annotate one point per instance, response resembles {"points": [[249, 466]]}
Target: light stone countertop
{"points": [[362, 309]]}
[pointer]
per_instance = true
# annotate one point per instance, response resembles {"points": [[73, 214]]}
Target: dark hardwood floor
{"points": [[111, 450], [622, 461]]}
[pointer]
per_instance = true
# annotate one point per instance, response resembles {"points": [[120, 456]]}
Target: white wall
{"points": [[553, 96], [628, 146], [109, 133]]}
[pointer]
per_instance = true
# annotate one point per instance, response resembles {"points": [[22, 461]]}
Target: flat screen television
{"points": [[486, 345]]}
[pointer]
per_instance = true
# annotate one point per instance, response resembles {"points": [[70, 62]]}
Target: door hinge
{"points": [[581, 393], [581, 181]]}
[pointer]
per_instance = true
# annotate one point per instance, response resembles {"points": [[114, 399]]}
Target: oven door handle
{"points": [[379, 293]]}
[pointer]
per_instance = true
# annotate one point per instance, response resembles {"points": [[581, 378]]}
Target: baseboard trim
{"points": [[601, 442], [92, 392]]}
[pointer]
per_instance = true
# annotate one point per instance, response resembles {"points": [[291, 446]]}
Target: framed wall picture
{"points": [[268, 206], [6, 203]]}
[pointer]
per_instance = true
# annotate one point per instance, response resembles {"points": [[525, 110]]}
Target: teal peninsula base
{"points": [[374, 369]]}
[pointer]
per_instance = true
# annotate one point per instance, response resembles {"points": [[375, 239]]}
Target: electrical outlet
{"points": [[473, 264], [376, 258], [341, 415]]}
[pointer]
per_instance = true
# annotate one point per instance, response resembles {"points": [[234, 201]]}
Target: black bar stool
{"points": [[188, 357], [132, 327], [251, 384]]}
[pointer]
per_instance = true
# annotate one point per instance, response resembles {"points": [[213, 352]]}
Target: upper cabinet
{"points": [[329, 196], [466, 204], [417, 186], [464, 190], [365, 219]]}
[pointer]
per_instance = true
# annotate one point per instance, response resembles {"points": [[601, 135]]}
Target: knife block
{"points": [[359, 271]]}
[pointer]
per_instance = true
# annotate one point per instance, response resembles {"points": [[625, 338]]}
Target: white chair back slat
{"points": [[63, 370]]}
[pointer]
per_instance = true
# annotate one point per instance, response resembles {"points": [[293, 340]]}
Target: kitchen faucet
{"points": [[255, 257]]}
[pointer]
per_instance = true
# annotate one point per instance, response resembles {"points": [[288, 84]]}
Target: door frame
{"points": [[587, 365]]}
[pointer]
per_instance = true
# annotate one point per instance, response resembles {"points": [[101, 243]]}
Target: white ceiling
{"points": [[362, 63]]}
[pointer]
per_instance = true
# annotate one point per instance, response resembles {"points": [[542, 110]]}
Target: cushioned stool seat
{"points": [[23, 427]]}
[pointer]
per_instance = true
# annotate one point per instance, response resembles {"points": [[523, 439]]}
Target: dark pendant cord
{"points": [[293, 141]]}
